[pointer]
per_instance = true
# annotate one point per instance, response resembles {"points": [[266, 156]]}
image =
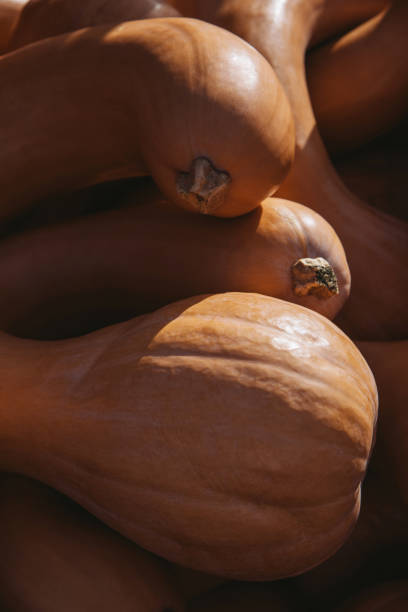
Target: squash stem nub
{"points": [[203, 186], [314, 276]]}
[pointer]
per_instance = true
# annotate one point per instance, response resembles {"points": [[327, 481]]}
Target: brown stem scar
{"points": [[203, 185], [314, 276]]}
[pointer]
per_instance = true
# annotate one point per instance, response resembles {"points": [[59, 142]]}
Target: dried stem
{"points": [[314, 276], [204, 187]]}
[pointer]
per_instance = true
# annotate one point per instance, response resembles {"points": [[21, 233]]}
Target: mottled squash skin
{"points": [[261, 411]]}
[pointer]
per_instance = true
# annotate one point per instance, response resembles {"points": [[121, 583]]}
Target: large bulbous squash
{"points": [[229, 433]]}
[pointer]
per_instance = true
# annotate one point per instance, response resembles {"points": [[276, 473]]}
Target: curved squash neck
{"points": [[67, 119], [280, 30], [41, 395]]}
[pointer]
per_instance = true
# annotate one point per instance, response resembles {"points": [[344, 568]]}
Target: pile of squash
{"points": [[198, 316]]}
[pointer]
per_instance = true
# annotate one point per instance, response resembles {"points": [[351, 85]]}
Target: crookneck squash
{"points": [[261, 411], [359, 83], [57, 557], [25, 21], [182, 100], [376, 244], [70, 278]]}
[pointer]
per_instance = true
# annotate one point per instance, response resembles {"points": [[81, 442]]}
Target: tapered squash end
{"points": [[314, 276], [204, 187]]}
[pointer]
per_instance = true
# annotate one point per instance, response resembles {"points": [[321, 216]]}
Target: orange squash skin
{"points": [[281, 31], [109, 266], [376, 550], [340, 16], [216, 388], [192, 105], [358, 84], [55, 556], [25, 21]]}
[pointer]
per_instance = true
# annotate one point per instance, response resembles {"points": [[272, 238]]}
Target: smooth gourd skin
{"points": [[358, 84], [55, 556], [26, 21], [336, 16], [70, 278], [339, 16], [262, 411], [180, 90], [376, 244]]}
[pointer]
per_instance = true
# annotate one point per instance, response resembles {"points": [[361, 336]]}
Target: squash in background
{"points": [[335, 17], [25, 21], [377, 173], [262, 412], [390, 596], [358, 83], [339, 16], [57, 557], [184, 101], [388, 361]]}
